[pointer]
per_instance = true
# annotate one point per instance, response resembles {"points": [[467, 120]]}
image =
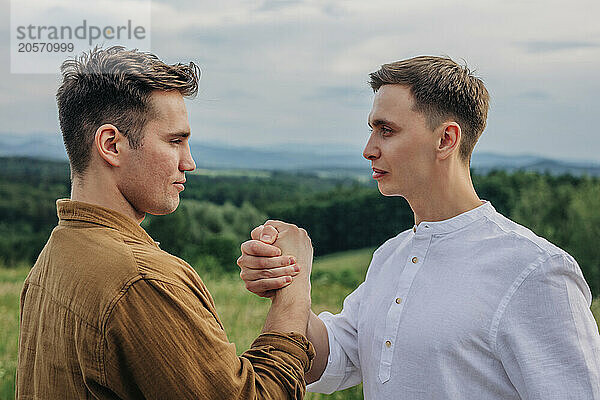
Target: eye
{"points": [[176, 141], [385, 131]]}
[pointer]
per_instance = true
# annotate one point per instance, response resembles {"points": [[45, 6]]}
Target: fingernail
{"points": [[296, 268], [288, 279], [292, 261], [265, 238]]}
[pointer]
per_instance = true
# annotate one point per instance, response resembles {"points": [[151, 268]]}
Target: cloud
{"points": [[348, 95], [277, 71], [554, 46], [535, 95], [271, 5]]}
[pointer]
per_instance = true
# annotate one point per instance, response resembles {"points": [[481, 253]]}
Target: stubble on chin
{"points": [[167, 205], [173, 206]]}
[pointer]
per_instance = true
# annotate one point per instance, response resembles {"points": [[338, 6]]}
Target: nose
{"points": [[371, 151], [186, 162]]}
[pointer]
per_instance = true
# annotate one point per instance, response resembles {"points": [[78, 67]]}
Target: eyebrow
{"points": [[378, 122], [180, 134]]}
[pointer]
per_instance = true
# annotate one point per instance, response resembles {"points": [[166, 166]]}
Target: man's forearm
{"points": [[317, 335], [290, 308]]}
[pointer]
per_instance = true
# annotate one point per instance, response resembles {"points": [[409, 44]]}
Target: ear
{"points": [[449, 140], [109, 141]]}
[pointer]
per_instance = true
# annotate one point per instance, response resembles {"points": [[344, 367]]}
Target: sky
{"points": [[280, 73]]}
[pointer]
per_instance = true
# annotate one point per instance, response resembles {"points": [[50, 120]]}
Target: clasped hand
{"points": [[277, 255]]}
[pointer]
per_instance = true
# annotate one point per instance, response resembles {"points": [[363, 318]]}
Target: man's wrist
{"points": [[288, 313], [291, 299]]}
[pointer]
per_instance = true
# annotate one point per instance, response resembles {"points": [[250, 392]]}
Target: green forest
{"points": [[217, 212], [346, 220]]}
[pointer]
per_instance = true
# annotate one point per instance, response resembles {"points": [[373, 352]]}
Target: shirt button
{"points": [[388, 344], [398, 300], [415, 260]]}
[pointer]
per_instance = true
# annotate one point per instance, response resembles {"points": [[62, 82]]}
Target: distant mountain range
{"points": [[485, 162], [322, 159]]}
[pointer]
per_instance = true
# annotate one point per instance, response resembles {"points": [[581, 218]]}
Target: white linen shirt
{"points": [[473, 307]]}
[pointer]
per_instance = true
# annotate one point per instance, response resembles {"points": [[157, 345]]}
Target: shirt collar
{"points": [[454, 223], [69, 210]]}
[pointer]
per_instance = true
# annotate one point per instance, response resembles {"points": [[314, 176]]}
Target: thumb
{"points": [[268, 234], [255, 234]]}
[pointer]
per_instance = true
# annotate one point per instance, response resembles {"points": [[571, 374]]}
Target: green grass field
{"points": [[334, 277]]}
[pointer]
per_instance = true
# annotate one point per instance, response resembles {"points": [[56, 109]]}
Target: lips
{"points": [[179, 185], [378, 173]]}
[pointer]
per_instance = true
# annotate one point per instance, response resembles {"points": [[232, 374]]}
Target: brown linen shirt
{"points": [[106, 314]]}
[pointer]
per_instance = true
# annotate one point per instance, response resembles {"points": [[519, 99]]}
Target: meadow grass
{"points": [[242, 313], [11, 282]]}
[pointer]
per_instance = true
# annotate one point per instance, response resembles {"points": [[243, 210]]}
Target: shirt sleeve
{"points": [[547, 337], [343, 365], [161, 341]]}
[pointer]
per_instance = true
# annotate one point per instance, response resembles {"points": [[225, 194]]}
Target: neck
{"points": [[449, 194], [100, 190]]}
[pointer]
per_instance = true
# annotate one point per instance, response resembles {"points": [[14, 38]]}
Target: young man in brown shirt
{"points": [[105, 313]]}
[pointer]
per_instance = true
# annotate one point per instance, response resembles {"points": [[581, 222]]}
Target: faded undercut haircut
{"points": [[113, 86], [442, 90]]}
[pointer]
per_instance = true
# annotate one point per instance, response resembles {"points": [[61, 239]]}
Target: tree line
{"points": [[217, 212]]}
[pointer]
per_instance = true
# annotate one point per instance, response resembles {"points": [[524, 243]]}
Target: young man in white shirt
{"points": [[465, 305]]}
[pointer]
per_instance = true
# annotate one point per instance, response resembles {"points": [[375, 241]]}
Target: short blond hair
{"points": [[442, 90]]}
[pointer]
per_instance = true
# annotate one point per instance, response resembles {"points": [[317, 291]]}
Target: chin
{"points": [[383, 190], [165, 208], [388, 192]]}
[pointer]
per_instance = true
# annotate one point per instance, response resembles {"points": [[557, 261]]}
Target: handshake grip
{"points": [[279, 256], [280, 270]]}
